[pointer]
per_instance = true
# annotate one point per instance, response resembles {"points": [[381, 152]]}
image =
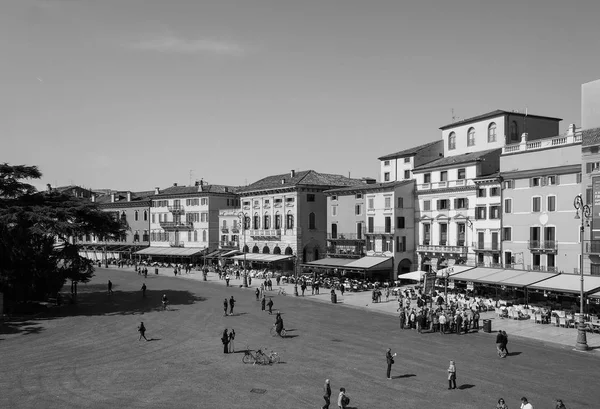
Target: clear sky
{"points": [[133, 94]]}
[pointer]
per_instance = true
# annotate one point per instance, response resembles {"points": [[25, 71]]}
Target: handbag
{"points": [[392, 360]]}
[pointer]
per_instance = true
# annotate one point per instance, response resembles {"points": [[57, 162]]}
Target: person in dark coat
{"points": [[270, 305], [504, 342], [257, 292], [459, 321], [303, 287], [476, 320], [231, 338], [142, 331], [110, 291], [231, 305], [500, 344], [263, 302], [326, 394], [225, 306], [278, 323], [390, 361], [225, 341], [144, 290]]}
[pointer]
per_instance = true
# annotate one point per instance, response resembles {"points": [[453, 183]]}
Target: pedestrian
{"points": [[231, 305], [476, 320], [525, 403], [402, 318], [501, 404], [270, 305], [442, 323], [231, 338], [560, 404], [452, 375], [227, 278], [110, 291], [505, 339], [257, 292], [343, 399], [326, 394], [156, 270], [225, 305], [225, 341], [144, 290], [142, 331], [342, 289], [500, 344], [145, 272], [175, 271], [390, 361], [263, 302], [303, 288], [459, 320]]}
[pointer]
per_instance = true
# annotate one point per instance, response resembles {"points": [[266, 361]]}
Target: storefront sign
{"points": [[595, 208], [470, 285]]}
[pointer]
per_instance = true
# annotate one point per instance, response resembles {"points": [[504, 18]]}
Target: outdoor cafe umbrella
{"points": [[413, 275]]}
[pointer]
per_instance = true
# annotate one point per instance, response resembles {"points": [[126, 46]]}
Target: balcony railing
{"points": [[542, 245], [442, 184], [233, 244], [335, 252], [442, 248], [177, 225], [225, 229], [176, 244], [592, 246], [484, 245], [490, 265], [176, 209], [274, 233], [379, 230], [346, 236], [543, 143], [235, 229]]}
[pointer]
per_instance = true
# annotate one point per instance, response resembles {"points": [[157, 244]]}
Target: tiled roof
{"points": [[186, 190], [363, 187], [455, 160], [591, 137], [497, 112], [303, 178], [122, 197], [409, 151]]}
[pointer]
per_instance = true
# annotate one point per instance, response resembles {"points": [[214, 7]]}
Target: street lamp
{"points": [[295, 261], [242, 219], [586, 211]]}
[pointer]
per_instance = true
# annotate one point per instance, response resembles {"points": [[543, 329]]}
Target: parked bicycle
{"points": [[273, 357], [257, 357], [274, 331]]}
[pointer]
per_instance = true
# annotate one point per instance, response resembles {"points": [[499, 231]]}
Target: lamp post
{"points": [[242, 219], [295, 261], [584, 217]]}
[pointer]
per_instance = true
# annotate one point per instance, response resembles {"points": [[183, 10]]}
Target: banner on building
{"points": [[595, 208]]}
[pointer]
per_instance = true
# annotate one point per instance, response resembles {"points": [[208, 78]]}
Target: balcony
{"points": [[224, 229], [177, 226], [235, 229], [491, 265], [542, 245], [560, 140], [229, 244], [379, 230], [592, 246], [176, 209], [442, 249], [551, 269], [486, 246], [333, 251], [176, 244], [346, 236], [265, 234], [442, 184]]}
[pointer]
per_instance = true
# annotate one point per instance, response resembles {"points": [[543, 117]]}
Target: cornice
{"points": [[558, 170], [446, 190], [121, 205]]}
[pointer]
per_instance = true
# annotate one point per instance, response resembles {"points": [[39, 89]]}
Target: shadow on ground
{"points": [[24, 327]]}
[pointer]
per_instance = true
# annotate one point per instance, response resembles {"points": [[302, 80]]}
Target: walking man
{"points": [[227, 278], [500, 344], [458, 321], [231, 305], [326, 394], [343, 400], [263, 302], [257, 292], [144, 290], [142, 331], [505, 342], [452, 375], [225, 306], [270, 305], [231, 338], [390, 361], [110, 291], [225, 341]]}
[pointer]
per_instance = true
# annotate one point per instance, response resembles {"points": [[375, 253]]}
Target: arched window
{"points": [[289, 222], [145, 236], [514, 132], [204, 235], [256, 221], [189, 235], [145, 215], [136, 216], [266, 250], [136, 236], [492, 132], [451, 141], [123, 217], [311, 221], [267, 222], [246, 222], [255, 249], [277, 250], [195, 235], [289, 251], [245, 249], [471, 137], [277, 221]]}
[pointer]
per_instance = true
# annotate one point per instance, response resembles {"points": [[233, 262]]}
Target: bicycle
{"points": [[256, 358], [273, 357], [282, 291], [274, 331]]}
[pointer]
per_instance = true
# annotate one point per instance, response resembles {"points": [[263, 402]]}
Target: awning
{"points": [[171, 251], [265, 258], [413, 275], [230, 253], [569, 283], [478, 275], [455, 269], [527, 278], [371, 263], [216, 253], [329, 262]]}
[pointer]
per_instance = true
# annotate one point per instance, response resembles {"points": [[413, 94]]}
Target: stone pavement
{"points": [[547, 333]]}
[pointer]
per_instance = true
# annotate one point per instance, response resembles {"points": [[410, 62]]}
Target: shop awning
{"points": [[478, 275], [459, 268], [371, 263], [329, 262], [527, 278], [171, 251], [216, 253], [265, 258], [413, 275], [569, 283], [230, 253]]}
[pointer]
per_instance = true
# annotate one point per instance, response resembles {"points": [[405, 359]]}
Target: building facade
{"points": [[487, 224], [541, 179], [398, 166]]}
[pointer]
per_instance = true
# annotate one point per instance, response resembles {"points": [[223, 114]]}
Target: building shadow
{"points": [[24, 327]]}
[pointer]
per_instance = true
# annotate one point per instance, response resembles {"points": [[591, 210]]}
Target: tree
{"points": [[38, 231]]}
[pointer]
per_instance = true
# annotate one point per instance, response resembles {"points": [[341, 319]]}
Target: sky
{"points": [[134, 94]]}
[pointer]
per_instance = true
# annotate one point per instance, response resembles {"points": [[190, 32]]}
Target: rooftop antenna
{"points": [[348, 174], [525, 121]]}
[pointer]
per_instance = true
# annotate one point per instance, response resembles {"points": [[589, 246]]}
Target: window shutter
{"points": [[588, 167], [456, 203], [544, 180], [588, 196], [557, 179], [530, 182], [466, 203]]}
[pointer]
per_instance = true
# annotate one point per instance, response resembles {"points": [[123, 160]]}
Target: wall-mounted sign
{"points": [[595, 208]]}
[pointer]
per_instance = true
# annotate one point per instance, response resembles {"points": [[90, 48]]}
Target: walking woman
{"points": [[142, 331], [452, 375], [225, 341]]}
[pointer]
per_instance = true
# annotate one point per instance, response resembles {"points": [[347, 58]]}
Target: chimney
{"points": [[292, 173], [93, 197], [524, 137], [226, 189], [129, 196], [112, 197], [283, 181], [174, 184], [156, 190], [571, 130]]}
